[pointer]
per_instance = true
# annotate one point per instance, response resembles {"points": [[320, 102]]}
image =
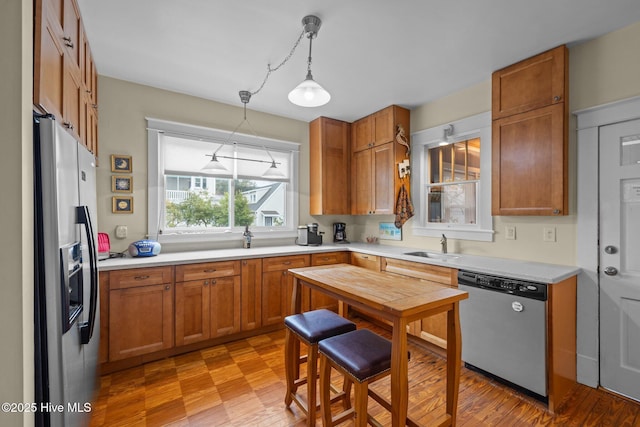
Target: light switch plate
{"points": [[510, 232], [121, 231], [549, 234]]}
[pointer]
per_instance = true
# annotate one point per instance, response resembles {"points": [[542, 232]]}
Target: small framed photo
{"points": [[121, 184], [388, 231], [122, 204], [120, 163]]}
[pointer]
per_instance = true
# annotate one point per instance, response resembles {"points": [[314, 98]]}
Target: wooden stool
{"points": [[362, 357], [310, 328]]}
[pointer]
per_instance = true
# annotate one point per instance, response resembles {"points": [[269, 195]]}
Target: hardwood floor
{"points": [[243, 384]]}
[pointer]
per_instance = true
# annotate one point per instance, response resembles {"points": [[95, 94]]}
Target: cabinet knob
{"points": [[68, 125], [556, 211], [167, 287], [244, 262], [557, 98], [206, 282], [213, 282]]}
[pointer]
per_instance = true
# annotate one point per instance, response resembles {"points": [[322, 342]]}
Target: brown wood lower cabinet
{"points": [[432, 329], [251, 294], [318, 300], [277, 286], [140, 311], [208, 307]]}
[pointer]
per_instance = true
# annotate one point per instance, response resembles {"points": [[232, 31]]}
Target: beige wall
{"points": [[601, 70], [16, 210], [122, 130]]}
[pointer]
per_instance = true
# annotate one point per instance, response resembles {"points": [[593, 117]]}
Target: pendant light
{"points": [[309, 93], [217, 168]]}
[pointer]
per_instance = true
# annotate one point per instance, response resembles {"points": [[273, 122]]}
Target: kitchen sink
{"points": [[433, 255]]}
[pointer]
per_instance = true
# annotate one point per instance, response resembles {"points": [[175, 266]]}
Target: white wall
{"points": [[16, 210]]}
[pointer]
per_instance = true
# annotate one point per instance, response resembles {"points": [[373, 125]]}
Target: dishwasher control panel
{"points": [[506, 285]]}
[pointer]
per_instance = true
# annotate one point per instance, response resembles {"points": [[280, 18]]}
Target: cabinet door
{"points": [[382, 176], [73, 105], [276, 297], [329, 167], [192, 311], [383, 126], [529, 164], [48, 58], [361, 134], [536, 82], [225, 305], [140, 320], [361, 183], [251, 294], [103, 352]]}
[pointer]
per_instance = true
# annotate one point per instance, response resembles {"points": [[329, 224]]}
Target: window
{"points": [[452, 187], [192, 203]]}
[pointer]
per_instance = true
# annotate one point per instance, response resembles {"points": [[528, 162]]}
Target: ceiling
{"points": [[368, 53]]}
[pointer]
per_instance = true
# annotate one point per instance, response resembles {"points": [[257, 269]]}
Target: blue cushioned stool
{"points": [[363, 357], [310, 328]]}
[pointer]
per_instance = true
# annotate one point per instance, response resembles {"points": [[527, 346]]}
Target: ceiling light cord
{"points": [[284, 61]]}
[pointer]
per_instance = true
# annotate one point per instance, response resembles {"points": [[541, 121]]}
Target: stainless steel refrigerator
{"points": [[67, 329]]}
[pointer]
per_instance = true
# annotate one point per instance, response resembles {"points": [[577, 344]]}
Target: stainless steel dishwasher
{"points": [[503, 324]]}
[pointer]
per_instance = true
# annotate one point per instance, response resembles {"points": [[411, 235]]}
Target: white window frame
{"points": [[478, 126], [156, 189]]}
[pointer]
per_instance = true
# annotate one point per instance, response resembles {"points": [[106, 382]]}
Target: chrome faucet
{"points": [[443, 242]]}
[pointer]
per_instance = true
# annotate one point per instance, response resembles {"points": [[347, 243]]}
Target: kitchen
{"points": [[594, 80]]}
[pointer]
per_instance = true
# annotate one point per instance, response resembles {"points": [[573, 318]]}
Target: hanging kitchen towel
{"points": [[404, 207]]}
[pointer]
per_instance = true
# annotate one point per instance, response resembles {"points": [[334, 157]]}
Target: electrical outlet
{"points": [[549, 234], [121, 231], [510, 232]]}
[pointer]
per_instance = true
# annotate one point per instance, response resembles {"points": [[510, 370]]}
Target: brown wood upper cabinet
{"points": [[375, 129], [374, 177], [61, 84], [329, 167], [529, 136]]}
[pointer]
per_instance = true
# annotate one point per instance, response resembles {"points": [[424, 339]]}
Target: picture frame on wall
{"points": [[121, 184], [121, 163], [389, 231], [122, 204]]}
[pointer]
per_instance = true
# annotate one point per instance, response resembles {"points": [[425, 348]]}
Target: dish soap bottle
{"points": [[246, 237]]}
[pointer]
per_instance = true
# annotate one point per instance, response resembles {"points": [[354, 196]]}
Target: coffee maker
{"points": [[308, 235], [340, 232]]}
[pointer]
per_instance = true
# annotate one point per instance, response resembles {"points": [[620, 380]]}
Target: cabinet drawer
{"points": [[120, 279], [284, 262], [433, 273], [329, 258], [207, 270], [372, 262]]}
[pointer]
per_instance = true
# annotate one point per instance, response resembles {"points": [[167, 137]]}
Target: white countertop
{"points": [[525, 270]]}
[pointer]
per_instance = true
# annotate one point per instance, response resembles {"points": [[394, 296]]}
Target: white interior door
{"points": [[620, 258]]}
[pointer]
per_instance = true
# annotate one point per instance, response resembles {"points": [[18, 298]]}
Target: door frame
{"points": [[589, 122]]}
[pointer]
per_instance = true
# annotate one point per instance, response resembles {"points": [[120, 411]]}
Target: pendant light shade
{"points": [[309, 93], [214, 166]]}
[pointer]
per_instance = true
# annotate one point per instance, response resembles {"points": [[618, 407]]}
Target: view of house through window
{"points": [[250, 183], [453, 182]]}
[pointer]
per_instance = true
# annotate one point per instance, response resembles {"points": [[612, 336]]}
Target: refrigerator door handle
{"points": [[86, 328]]}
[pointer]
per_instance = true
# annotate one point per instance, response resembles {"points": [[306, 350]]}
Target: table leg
{"points": [[292, 346], [399, 374], [454, 359]]}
